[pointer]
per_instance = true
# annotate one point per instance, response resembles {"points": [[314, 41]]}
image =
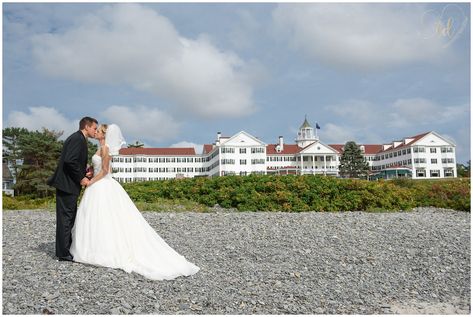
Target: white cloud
{"points": [[361, 36], [198, 147], [421, 111], [42, 117], [338, 134], [363, 111], [142, 123], [245, 33], [131, 44]]}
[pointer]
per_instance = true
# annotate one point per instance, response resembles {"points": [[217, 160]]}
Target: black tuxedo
{"points": [[66, 179]]}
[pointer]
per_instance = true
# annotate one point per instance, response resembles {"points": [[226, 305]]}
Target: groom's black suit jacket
{"points": [[72, 164]]}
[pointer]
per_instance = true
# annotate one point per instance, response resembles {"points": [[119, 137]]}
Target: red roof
{"points": [[378, 148], [337, 147], [415, 139], [208, 148], [369, 148], [158, 151], [287, 149]]}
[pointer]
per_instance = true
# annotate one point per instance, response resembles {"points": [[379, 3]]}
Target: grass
{"points": [[49, 204]]}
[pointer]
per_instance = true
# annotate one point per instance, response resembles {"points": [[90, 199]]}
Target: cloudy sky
{"points": [[174, 74]]}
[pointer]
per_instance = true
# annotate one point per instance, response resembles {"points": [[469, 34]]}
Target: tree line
{"points": [[32, 157]]}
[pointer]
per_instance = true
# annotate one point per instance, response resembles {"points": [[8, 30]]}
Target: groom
{"points": [[70, 175]]}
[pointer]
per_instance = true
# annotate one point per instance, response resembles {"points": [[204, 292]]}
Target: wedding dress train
{"points": [[110, 231]]}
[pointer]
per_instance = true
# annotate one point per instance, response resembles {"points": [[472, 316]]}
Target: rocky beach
{"points": [[415, 262]]}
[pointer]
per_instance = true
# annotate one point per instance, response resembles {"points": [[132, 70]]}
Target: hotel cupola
{"points": [[306, 134]]}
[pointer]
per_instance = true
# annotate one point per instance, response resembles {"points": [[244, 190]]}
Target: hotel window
{"points": [[446, 150], [408, 151], [448, 173], [257, 161], [434, 173], [227, 161], [403, 152], [433, 150], [243, 173], [228, 150], [433, 161], [257, 150], [420, 173], [242, 150], [242, 162]]}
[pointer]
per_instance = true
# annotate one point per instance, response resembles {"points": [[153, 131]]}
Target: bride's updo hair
{"points": [[103, 128]]}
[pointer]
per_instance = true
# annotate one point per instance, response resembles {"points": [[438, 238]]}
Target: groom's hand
{"points": [[85, 181]]}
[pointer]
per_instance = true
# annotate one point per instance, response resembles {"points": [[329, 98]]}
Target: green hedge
{"points": [[306, 193], [285, 193], [28, 202]]}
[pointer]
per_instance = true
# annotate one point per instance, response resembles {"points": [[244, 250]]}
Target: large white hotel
{"points": [[427, 155]]}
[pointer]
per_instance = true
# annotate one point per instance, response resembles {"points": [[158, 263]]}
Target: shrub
{"points": [[307, 192]]}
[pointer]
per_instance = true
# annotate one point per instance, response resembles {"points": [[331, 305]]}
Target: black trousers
{"points": [[66, 210]]}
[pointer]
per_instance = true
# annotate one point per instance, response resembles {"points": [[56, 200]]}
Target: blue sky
{"points": [[174, 74]]}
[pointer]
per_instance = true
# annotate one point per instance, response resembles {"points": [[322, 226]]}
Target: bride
{"points": [[110, 231]]}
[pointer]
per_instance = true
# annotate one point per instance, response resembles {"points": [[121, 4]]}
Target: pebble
{"points": [[255, 263]]}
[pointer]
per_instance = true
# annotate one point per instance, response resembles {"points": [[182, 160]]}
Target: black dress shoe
{"points": [[66, 258]]}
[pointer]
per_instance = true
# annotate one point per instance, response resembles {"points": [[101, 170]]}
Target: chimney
{"points": [[281, 143], [219, 134]]}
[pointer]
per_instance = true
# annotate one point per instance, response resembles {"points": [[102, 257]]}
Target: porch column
{"points": [[313, 164], [302, 164], [325, 164]]}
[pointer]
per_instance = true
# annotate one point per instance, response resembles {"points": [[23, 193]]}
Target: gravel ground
{"points": [[256, 263]]}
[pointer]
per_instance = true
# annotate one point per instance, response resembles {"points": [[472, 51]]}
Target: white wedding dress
{"points": [[110, 231]]}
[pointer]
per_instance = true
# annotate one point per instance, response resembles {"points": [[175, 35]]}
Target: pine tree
{"points": [[11, 149], [137, 144], [352, 162], [40, 152], [34, 156]]}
